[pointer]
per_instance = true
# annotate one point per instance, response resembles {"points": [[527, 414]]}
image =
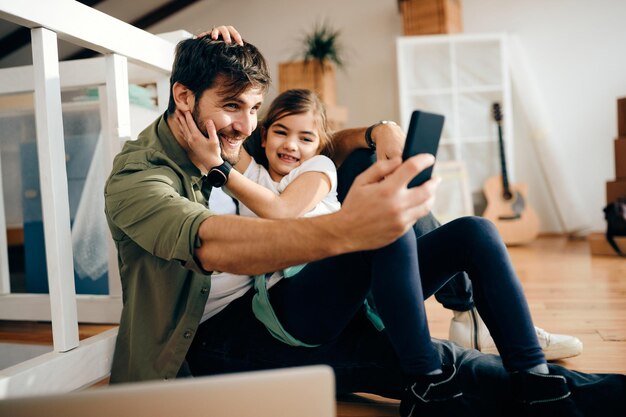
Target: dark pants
{"points": [[363, 360], [456, 294], [317, 304]]}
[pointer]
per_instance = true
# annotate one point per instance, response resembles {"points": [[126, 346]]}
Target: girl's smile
{"points": [[290, 141]]}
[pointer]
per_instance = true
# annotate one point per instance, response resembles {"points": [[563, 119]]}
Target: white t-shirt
{"points": [[227, 287]]}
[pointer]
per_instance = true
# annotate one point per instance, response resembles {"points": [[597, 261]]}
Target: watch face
{"points": [[216, 178]]}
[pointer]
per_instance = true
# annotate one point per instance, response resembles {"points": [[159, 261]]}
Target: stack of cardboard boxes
{"points": [[430, 17], [616, 188]]}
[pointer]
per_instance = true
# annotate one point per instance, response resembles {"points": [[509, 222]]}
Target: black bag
{"points": [[615, 215]]}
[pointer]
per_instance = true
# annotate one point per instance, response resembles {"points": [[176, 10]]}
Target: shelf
{"points": [[459, 90], [460, 76], [459, 140]]}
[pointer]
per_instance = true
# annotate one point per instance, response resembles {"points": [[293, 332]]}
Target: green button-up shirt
{"points": [[155, 200]]}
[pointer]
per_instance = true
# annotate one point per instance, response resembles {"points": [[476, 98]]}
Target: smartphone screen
{"points": [[423, 137]]}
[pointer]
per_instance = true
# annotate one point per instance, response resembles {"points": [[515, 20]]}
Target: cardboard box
{"points": [[615, 189], [598, 245], [336, 117], [620, 158], [429, 17], [621, 117]]}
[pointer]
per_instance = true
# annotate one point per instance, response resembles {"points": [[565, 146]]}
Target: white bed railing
{"points": [[130, 54]]}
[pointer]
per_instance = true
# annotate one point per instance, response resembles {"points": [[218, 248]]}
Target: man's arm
{"points": [[389, 139], [378, 209]]}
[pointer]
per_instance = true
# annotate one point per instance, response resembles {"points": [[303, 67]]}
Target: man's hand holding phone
{"points": [[423, 137]]}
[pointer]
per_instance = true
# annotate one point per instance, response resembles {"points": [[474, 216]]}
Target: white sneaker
{"points": [[468, 330]]}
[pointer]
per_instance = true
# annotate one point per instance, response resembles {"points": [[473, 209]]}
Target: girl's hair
{"points": [[301, 101]]}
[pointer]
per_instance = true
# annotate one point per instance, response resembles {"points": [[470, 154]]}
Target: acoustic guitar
{"points": [[507, 204]]}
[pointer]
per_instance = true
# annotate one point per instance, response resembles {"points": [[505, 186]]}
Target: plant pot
{"points": [[309, 75]]}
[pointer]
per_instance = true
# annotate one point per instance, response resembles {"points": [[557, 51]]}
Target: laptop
{"points": [[303, 392]]}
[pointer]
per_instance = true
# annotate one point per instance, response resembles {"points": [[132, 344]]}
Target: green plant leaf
{"points": [[322, 44]]}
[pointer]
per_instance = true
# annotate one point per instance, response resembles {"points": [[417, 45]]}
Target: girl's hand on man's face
{"points": [[204, 152]]}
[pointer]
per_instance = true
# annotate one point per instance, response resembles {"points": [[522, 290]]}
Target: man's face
{"points": [[235, 117]]}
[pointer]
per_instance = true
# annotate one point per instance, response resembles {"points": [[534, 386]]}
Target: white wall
{"points": [[575, 47], [369, 29], [577, 50]]}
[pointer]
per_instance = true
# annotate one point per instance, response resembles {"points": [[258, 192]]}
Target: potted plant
{"points": [[315, 70]]}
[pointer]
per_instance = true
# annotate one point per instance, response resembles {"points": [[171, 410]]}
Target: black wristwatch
{"points": [[368, 133], [218, 176]]}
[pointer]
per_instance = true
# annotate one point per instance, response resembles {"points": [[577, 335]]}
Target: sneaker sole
{"points": [[552, 354], [563, 352]]}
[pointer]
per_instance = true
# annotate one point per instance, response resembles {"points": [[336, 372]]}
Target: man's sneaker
{"points": [[434, 395], [468, 330], [541, 395]]}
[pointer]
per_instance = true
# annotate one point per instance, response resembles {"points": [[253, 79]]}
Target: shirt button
{"points": [[187, 334], [204, 290]]}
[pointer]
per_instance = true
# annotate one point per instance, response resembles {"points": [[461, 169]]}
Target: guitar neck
{"points": [[506, 190]]}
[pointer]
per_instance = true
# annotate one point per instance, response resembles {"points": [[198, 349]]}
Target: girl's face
{"points": [[289, 142]]}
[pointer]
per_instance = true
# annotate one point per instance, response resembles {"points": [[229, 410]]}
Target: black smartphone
{"points": [[423, 137]]}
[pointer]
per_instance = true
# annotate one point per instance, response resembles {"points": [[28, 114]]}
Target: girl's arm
{"points": [[298, 197]]}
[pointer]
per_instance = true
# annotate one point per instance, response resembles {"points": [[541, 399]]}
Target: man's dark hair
{"points": [[200, 61]]}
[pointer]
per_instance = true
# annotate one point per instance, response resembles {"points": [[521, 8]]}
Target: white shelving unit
{"points": [[460, 76]]}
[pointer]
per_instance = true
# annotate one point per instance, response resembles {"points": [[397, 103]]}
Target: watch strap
{"points": [[218, 175], [368, 133]]}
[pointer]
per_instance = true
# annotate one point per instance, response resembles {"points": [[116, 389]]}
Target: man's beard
{"points": [[233, 157]]}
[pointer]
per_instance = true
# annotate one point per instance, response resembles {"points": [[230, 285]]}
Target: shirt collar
{"points": [[173, 149]]}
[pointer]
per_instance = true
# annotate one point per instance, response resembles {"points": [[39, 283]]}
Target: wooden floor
{"points": [[568, 291]]}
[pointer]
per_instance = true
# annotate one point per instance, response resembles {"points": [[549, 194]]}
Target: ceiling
{"points": [[15, 47]]}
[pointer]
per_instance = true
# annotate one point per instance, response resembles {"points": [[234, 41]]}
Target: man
{"points": [[167, 240]]}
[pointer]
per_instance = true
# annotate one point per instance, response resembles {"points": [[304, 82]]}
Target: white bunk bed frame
{"points": [[130, 54]]}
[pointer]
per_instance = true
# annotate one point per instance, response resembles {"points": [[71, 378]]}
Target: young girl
{"points": [[321, 299], [295, 178]]}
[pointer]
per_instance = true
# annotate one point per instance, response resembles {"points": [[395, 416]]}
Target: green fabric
{"points": [[155, 201], [264, 312], [373, 316], [137, 95], [292, 270]]}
